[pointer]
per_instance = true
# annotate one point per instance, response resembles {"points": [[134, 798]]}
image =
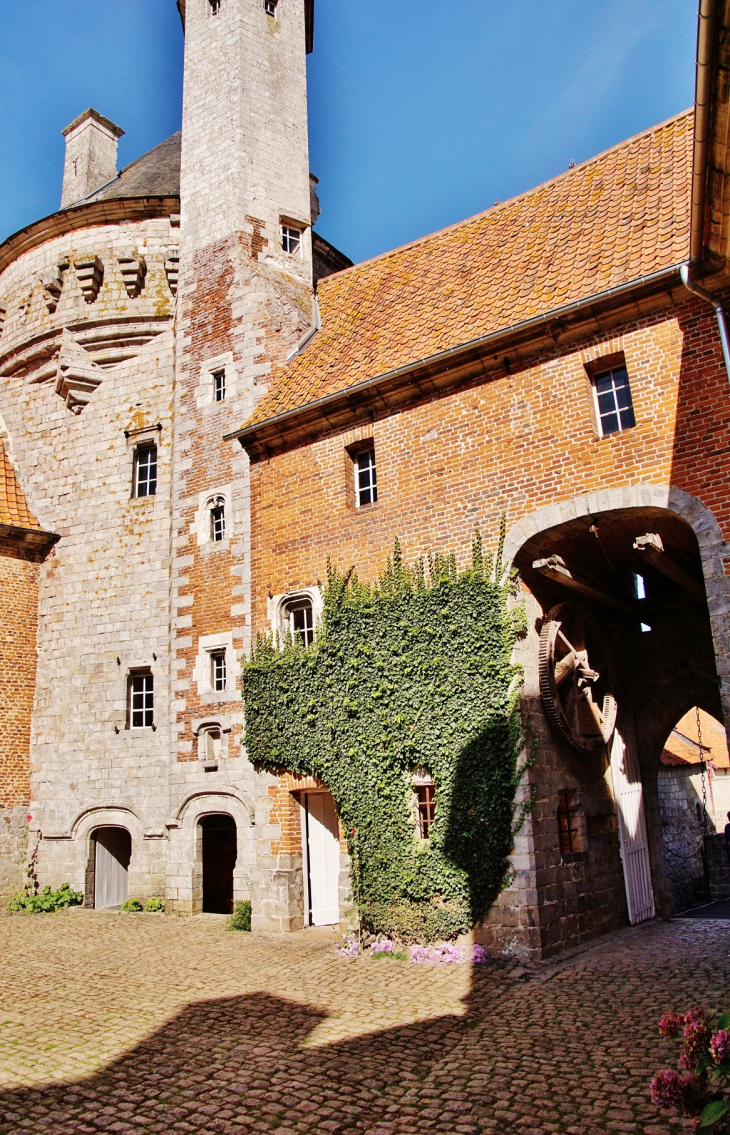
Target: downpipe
{"points": [[691, 286]]}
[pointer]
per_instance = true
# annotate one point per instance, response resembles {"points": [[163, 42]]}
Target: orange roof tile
{"points": [[14, 510], [619, 216], [682, 746]]}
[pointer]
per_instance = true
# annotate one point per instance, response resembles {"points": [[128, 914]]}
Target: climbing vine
{"points": [[413, 672]]}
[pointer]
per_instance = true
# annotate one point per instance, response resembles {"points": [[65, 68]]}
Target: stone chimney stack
{"points": [[91, 155]]}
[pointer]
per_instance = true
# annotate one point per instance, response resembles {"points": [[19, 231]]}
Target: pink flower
{"points": [[478, 954], [383, 947], [669, 1088], [350, 947], [720, 1045], [696, 1041], [696, 1015], [670, 1024]]}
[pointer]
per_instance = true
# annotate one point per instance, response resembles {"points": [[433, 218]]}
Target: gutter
{"points": [[703, 120], [691, 286], [249, 432]]}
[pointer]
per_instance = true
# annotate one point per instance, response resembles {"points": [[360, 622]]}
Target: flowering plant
{"points": [[386, 949], [350, 946], [446, 954], [702, 1087]]}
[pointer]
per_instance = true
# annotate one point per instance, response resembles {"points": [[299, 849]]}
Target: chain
{"points": [[703, 771]]}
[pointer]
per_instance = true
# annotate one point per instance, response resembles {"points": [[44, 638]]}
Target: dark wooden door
{"points": [[219, 859]]}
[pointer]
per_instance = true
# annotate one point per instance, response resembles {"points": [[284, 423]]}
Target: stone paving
{"points": [[151, 1024]]}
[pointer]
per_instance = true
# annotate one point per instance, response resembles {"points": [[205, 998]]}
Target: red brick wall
{"points": [[510, 443], [18, 627]]}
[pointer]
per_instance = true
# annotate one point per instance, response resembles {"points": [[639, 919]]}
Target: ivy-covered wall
{"points": [[413, 672]]}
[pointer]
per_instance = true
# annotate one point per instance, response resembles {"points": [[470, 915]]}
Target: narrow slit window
{"points": [[219, 385], [218, 670], [426, 794], [218, 521], [145, 471], [366, 481], [613, 401], [141, 701], [291, 239], [567, 824]]}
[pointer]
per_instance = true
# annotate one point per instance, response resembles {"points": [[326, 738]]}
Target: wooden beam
{"points": [[652, 549], [553, 567]]}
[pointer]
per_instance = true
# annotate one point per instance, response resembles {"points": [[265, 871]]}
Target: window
{"points": [[270, 7], [568, 826], [219, 385], [300, 621], [215, 6], [426, 794], [212, 745], [366, 483], [218, 520], [218, 670], [613, 401], [141, 700], [145, 471], [291, 239]]}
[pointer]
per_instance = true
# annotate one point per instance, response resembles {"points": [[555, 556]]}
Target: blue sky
{"points": [[422, 112]]}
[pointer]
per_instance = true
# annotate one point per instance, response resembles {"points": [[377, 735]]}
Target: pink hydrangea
{"points": [[671, 1024], [720, 1045], [696, 1042], [669, 1088]]}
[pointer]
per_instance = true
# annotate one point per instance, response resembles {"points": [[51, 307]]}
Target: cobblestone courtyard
{"points": [[143, 1023]]}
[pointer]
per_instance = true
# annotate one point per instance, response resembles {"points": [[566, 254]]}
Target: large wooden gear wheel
{"points": [[576, 679]]}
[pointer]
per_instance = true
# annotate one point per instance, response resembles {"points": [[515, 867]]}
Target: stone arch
{"points": [[112, 817], [188, 850], [206, 801]]}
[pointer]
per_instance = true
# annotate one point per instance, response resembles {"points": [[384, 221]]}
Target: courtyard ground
{"points": [[151, 1024]]}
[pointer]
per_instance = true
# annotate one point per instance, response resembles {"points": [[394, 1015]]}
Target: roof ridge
{"points": [[510, 201]]}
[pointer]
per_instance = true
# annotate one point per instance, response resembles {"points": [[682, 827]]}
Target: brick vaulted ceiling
{"points": [[616, 218]]}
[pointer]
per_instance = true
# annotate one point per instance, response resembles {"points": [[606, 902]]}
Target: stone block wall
{"points": [[680, 794], [718, 864]]}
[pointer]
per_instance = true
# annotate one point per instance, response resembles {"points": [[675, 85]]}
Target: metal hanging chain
{"points": [[703, 771]]}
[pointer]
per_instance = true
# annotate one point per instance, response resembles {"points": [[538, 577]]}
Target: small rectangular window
{"points": [[141, 701], [291, 239], [215, 6], [218, 670], [613, 401], [145, 471], [366, 481], [301, 621], [218, 522], [219, 385], [567, 824], [270, 7], [426, 794]]}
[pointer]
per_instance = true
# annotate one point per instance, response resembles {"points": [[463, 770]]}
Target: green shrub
{"points": [[412, 672], [241, 917], [47, 900], [154, 906], [131, 906]]}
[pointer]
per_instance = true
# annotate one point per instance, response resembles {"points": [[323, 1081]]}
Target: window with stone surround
{"points": [[299, 619], [145, 471], [291, 239], [140, 700], [219, 385], [218, 520], [614, 405], [218, 670]]}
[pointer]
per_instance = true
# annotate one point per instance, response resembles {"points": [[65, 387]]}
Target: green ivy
{"points": [[412, 672]]}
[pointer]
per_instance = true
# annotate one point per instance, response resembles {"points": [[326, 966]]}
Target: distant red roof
{"points": [[14, 511], [682, 746]]}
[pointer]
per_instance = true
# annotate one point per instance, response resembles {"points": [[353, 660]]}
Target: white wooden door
{"points": [[113, 847], [323, 858], [634, 844]]}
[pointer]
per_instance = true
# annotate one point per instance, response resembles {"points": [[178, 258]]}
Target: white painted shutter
{"points": [[634, 844], [323, 852]]}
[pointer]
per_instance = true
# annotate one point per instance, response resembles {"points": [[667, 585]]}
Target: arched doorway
{"points": [[112, 854], [219, 849]]}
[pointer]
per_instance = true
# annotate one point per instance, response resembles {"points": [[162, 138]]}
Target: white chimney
{"points": [[91, 155]]}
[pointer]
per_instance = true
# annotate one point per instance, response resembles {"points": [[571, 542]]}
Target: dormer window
{"points": [[291, 239], [218, 520], [270, 7]]}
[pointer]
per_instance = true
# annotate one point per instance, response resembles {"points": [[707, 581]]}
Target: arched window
{"points": [[217, 520], [298, 619]]}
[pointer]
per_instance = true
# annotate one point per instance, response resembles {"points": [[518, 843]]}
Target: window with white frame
{"points": [[141, 700], [218, 520], [366, 481], [299, 620], [145, 471], [270, 7], [218, 670], [614, 407], [219, 385], [291, 239], [215, 6]]}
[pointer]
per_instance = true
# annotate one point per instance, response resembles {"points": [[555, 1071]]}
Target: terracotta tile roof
{"points": [[617, 217], [682, 745], [14, 510]]}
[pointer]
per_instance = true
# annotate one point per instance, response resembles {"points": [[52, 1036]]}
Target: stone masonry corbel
{"points": [[134, 269], [89, 273], [52, 284], [3, 313], [172, 267], [77, 376]]}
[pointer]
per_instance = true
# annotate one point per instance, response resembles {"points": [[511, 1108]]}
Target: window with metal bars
{"points": [[218, 520], [366, 479], [145, 471], [141, 700], [218, 670], [613, 401], [219, 385], [568, 827], [426, 794]]}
